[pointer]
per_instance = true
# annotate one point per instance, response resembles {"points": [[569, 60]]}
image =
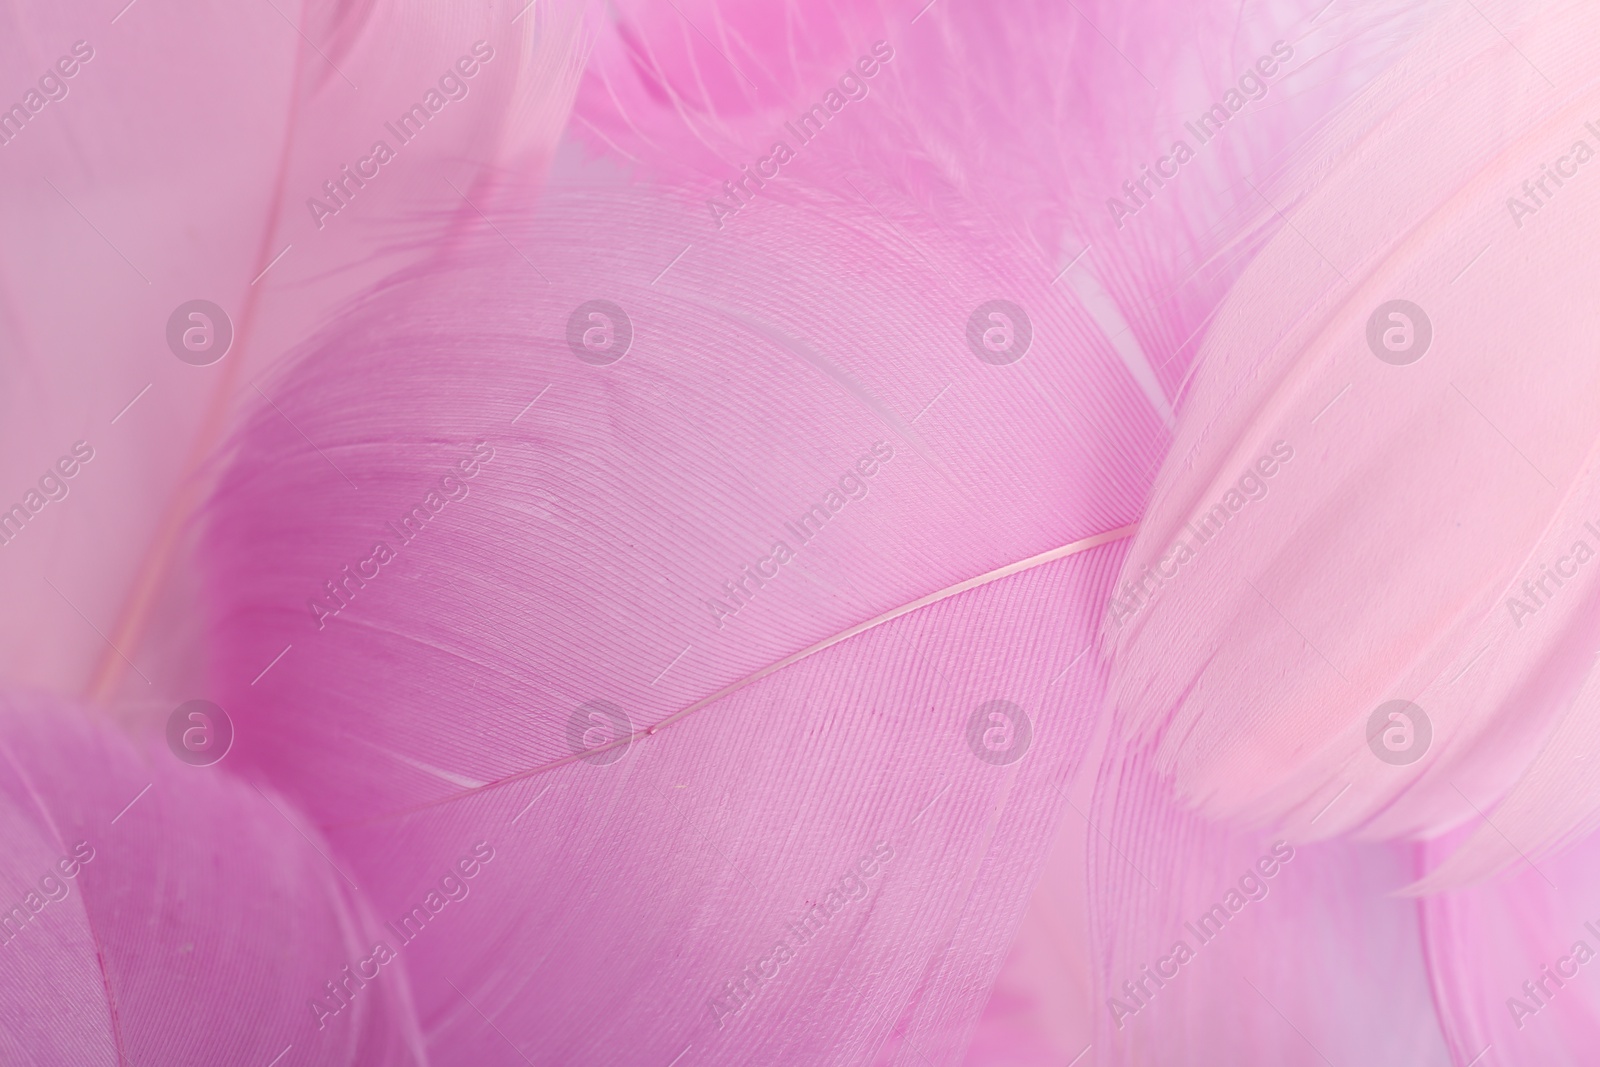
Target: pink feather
{"points": [[179, 162], [1383, 561], [155, 912]]}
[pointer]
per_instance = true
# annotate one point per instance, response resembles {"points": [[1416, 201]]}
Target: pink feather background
{"points": [[468, 533]]}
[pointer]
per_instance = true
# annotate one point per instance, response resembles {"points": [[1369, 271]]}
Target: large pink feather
{"points": [[579, 567]]}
